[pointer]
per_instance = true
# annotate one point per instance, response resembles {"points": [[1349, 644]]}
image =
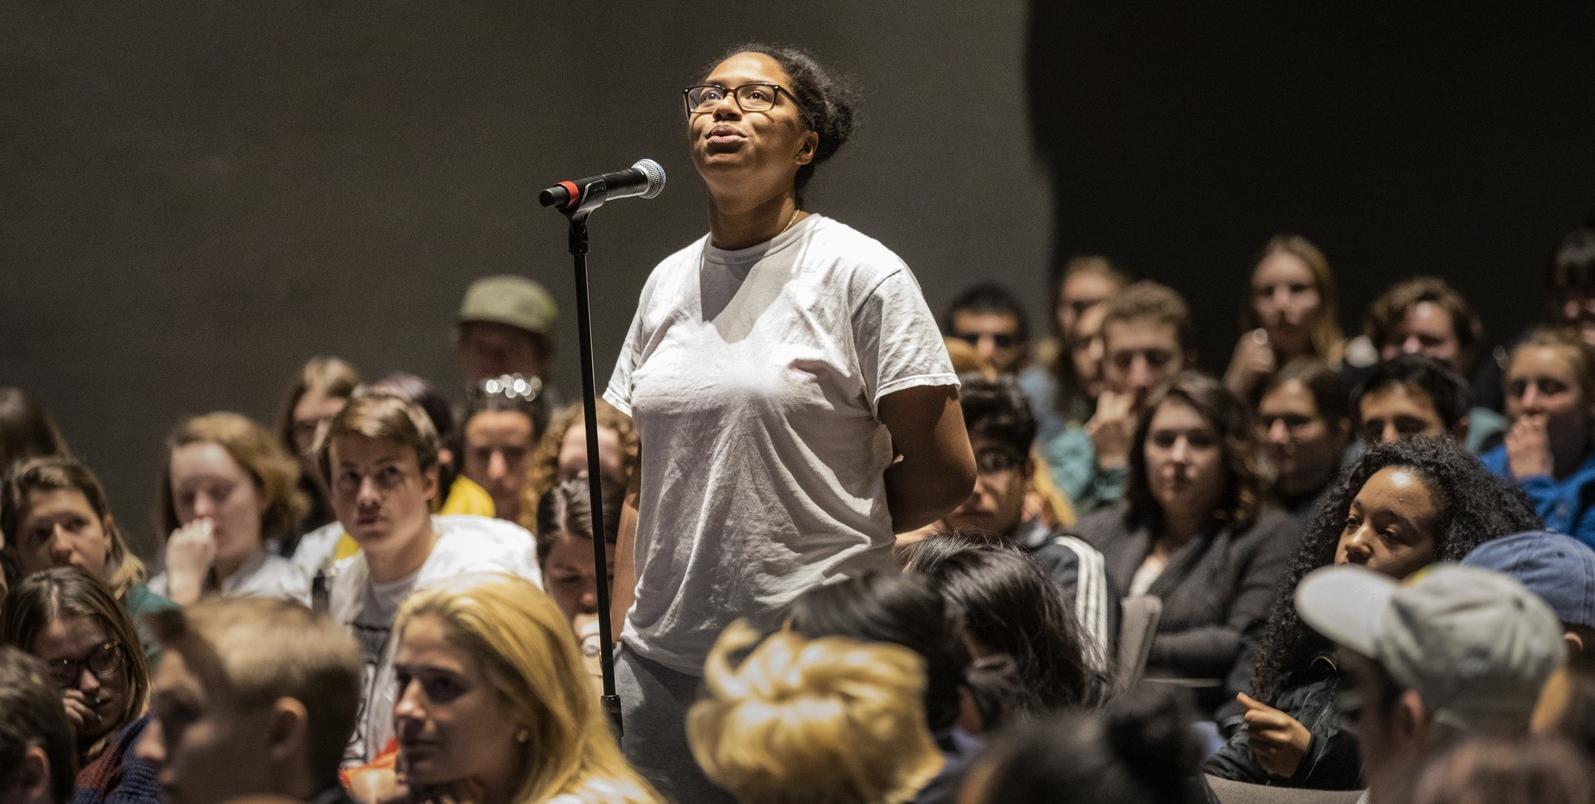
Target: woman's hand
{"points": [[78, 710], [1528, 447], [1253, 360], [189, 554], [1279, 742], [1112, 429]]}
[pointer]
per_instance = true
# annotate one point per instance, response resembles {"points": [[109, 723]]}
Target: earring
{"points": [[523, 736]]}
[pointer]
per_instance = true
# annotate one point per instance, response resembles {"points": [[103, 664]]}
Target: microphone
{"points": [[646, 179]]}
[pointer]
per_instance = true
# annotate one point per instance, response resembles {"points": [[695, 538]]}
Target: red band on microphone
{"points": [[575, 193]]}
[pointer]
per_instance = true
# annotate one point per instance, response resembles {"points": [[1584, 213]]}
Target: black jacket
{"points": [[1331, 762]]}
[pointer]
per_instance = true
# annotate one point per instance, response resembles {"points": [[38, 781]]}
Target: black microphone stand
{"points": [[584, 326]]}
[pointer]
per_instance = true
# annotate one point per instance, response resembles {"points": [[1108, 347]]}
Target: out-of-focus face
{"points": [[1080, 293], [1542, 381], [1184, 460], [313, 410], [1369, 709], [569, 577], [1306, 448], [60, 529], [735, 149], [1426, 329], [91, 668], [997, 502], [1086, 350], [1139, 355], [197, 731], [497, 443], [1390, 527], [1395, 412], [995, 337], [208, 484], [451, 724], [573, 454], [380, 493], [1286, 300], [489, 349], [1577, 310]]}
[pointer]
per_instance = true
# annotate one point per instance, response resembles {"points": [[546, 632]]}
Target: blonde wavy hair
{"points": [[522, 642], [275, 471], [802, 720], [543, 474]]}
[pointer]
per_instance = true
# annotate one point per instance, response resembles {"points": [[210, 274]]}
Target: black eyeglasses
{"points": [[1002, 340], [750, 97], [996, 461], [104, 661]]}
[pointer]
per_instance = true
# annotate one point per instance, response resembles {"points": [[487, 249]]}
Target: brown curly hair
{"points": [[543, 474], [1248, 482]]}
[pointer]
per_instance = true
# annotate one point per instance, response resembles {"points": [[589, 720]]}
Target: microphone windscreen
{"points": [[655, 174]]}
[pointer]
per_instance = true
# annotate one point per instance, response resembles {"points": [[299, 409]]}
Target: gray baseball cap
{"points": [[1474, 644], [509, 299]]}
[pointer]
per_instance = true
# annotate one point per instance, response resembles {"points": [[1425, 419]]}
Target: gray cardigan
{"points": [[1217, 591]]}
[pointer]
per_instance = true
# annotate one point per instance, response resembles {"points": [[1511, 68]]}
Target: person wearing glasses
{"points": [[70, 621], [794, 398]]}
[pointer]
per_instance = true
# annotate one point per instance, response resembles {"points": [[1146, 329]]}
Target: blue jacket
{"points": [[1566, 506]]}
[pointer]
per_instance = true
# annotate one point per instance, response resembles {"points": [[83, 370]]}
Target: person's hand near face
{"points": [[1252, 362], [1550, 416], [1112, 429]]}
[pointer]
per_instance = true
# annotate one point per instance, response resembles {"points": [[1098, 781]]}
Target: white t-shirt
{"points": [[264, 575], [465, 545], [753, 377]]}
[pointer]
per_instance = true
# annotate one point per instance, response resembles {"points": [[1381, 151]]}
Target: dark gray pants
{"points": [[654, 700]]}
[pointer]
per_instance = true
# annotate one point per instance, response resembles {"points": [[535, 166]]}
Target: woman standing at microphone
{"points": [[794, 399]]}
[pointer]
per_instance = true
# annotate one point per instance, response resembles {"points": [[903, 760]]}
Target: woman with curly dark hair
{"points": [[1401, 507], [1195, 532]]}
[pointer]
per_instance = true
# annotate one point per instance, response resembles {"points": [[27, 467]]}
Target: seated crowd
{"points": [[1357, 565]]}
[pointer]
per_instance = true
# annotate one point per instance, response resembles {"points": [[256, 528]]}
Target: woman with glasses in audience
{"points": [[71, 622], [1194, 531], [1304, 422], [493, 704], [1290, 312], [229, 494], [1549, 451], [1401, 507], [57, 515], [323, 387], [794, 400]]}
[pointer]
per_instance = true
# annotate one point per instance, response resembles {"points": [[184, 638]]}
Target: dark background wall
{"points": [[196, 197]]}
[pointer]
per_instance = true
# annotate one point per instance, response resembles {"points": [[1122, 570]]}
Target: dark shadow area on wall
{"points": [[1403, 138]]}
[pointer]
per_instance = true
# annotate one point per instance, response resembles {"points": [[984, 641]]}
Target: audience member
{"points": [[1060, 384], [1550, 398], [1459, 651], [492, 702], [254, 697], [1195, 531], [907, 610], [1290, 312], [1557, 568], [1146, 340], [1567, 705], [380, 457], [60, 517], [1002, 431], [506, 326], [1570, 282], [1010, 612], [229, 493], [71, 622], [1400, 507], [37, 758], [565, 553], [26, 430], [562, 453], [1139, 750], [810, 720], [1484, 770], [990, 318], [1304, 423], [1411, 395], [323, 386], [501, 428]]}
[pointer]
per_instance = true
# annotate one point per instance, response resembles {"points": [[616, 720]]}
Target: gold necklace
{"points": [[791, 219]]}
